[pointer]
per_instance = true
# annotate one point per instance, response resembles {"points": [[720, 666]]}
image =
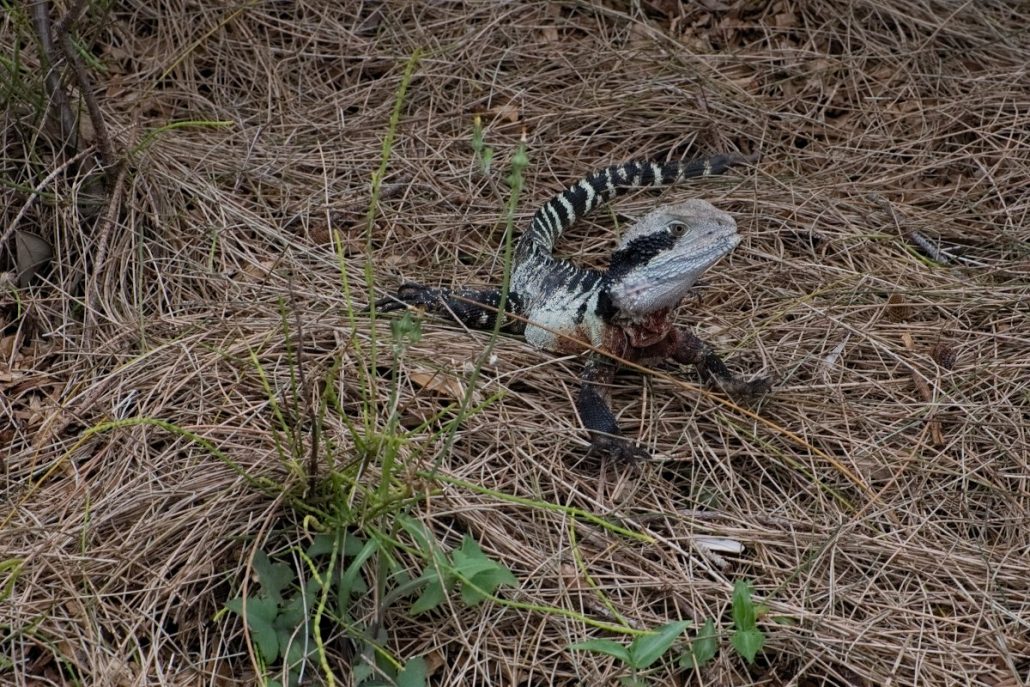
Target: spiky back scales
{"points": [[562, 211]]}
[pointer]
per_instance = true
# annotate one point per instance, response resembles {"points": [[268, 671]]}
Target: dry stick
{"points": [[62, 32], [65, 119], [924, 392], [928, 247], [102, 242]]}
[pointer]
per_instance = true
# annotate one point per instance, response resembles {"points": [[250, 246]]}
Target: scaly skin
{"points": [[622, 312]]}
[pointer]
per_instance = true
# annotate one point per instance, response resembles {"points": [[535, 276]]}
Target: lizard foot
{"points": [[617, 447], [407, 295], [746, 392]]}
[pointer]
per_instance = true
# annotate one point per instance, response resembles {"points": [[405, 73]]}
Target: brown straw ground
{"points": [[881, 493]]}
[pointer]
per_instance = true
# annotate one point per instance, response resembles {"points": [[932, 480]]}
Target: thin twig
{"points": [[103, 239], [64, 121], [62, 30]]}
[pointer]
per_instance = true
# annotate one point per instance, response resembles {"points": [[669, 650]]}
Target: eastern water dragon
{"points": [[623, 312]]}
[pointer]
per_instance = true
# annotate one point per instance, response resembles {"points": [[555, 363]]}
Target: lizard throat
{"points": [[647, 330]]}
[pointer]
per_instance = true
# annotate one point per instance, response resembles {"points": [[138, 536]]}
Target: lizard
{"points": [[623, 312]]}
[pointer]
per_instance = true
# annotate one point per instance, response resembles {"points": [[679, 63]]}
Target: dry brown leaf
{"points": [[33, 254], [442, 383], [508, 112], [7, 344]]}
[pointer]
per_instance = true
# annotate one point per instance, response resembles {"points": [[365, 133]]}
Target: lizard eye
{"points": [[677, 229]]}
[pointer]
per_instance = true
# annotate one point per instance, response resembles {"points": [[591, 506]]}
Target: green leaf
{"points": [[634, 681], [431, 597], [405, 330], [468, 556], [471, 596], [266, 639], [748, 643], [13, 567], [351, 582], [703, 648], [413, 674], [347, 544], [260, 615], [417, 531], [646, 649], [259, 607], [352, 544], [603, 646], [297, 647], [295, 609], [362, 672], [487, 581], [481, 572], [743, 608], [274, 577], [321, 545]]}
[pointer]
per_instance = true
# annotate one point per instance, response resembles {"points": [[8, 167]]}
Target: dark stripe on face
{"points": [[639, 252], [590, 280]]}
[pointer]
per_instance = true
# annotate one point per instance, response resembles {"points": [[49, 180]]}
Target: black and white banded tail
{"points": [[562, 211]]}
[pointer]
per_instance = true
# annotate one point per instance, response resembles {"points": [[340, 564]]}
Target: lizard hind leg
{"points": [[475, 308]]}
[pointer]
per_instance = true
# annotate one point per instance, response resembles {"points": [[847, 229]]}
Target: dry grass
{"points": [[883, 498]]}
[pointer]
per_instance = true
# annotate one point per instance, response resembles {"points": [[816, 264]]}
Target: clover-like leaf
{"points": [[260, 614], [274, 577]]}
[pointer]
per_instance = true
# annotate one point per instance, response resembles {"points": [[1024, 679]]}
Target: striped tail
{"points": [[562, 211]]}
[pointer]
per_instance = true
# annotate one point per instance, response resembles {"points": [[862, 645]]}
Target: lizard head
{"points": [[660, 257]]}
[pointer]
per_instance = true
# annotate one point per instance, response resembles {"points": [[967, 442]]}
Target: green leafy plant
{"points": [[703, 648], [285, 615], [747, 639], [279, 624], [642, 652], [645, 649], [468, 567]]}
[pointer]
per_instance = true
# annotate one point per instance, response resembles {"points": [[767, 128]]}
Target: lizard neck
{"points": [[641, 329]]}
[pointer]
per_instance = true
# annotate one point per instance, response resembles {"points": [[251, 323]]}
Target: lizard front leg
{"points": [[595, 414], [684, 347], [475, 308]]}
